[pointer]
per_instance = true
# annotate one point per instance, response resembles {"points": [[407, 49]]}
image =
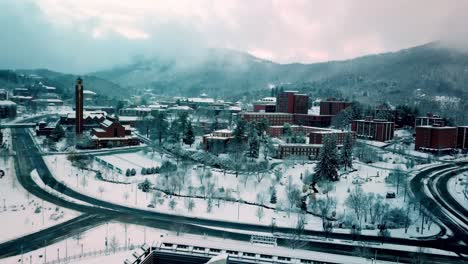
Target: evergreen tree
{"points": [[127, 172], [239, 131], [215, 124], [254, 142], [159, 126], [273, 198], [189, 136], [347, 152], [183, 121], [143, 171], [327, 167], [174, 131], [133, 172]]}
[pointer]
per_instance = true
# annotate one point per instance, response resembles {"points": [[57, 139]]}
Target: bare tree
{"points": [[114, 243], [259, 213], [101, 190], [355, 201], [190, 204], [293, 194], [296, 239]]}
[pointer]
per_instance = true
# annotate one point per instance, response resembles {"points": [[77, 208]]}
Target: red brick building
{"points": [[317, 137], [112, 133], [332, 106], [313, 120], [298, 150], [301, 104], [462, 137], [267, 104], [435, 138], [292, 102], [430, 120], [218, 141], [277, 131], [274, 119], [376, 129]]}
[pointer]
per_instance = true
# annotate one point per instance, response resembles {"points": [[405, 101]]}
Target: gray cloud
{"points": [[82, 36]]}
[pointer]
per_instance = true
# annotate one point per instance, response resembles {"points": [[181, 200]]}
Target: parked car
{"points": [[390, 195]]}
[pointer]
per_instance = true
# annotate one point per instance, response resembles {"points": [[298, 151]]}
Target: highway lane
{"points": [[435, 203], [28, 155], [441, 185], [50, 235]]}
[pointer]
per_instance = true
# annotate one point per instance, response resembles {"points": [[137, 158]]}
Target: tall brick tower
{"points": [[79, 106]]}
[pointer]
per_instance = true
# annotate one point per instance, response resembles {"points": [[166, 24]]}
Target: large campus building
{"points": [[374, 129], [331, 106], [292, 102], [435, 138]]}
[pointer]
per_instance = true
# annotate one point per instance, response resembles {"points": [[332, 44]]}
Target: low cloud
{"points": [[88, 35]]}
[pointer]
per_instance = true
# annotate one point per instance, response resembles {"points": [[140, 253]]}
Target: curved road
{"points": [[29, 158]]}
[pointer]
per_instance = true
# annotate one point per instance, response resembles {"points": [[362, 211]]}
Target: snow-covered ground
{"points": [[22, 213], [255, 188], [92, 242], [130, 195], [457, 187]]}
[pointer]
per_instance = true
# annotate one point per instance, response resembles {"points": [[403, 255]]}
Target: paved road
{"points": [[50, 235], [437, 201], [29, 158]]}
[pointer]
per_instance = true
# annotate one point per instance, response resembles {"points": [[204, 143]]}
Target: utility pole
{"points": [[42, 212]]}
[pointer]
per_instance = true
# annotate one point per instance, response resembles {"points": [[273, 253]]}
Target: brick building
{"points": [[135, 111], [317, 137], [430, 120], [274, 119], [218, 141], [376, 129], [313, 120], [277, 131], [292, 102], [311, 151], [112, 133], [435, 138], [267, 105], [3, 94], [332, 106], [7, 109], [462, 137]]}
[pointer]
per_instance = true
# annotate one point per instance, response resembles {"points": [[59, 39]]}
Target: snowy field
{"points": [[22, 213], [195, 180]]}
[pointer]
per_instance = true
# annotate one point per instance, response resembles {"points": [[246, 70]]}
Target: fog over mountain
{"points": [[86, 36]]}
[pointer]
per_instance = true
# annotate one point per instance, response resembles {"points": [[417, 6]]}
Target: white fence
{"points": [[89, 254]]}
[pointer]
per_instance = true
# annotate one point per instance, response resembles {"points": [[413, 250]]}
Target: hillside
{"points": [[430, 68], [65, 83]]}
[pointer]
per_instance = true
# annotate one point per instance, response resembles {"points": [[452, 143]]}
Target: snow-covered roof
{"points": [[223, 131], [106, 123], [437, 127], [89, 92], [201, 100], [128, 118], [48, 100], [180, 107], [7, 103]]}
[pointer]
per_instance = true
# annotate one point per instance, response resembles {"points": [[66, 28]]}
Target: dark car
{"points": [[390, 195]]}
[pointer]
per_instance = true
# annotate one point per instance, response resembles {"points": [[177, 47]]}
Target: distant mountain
{"points": [[429, 70], [64, 83]]}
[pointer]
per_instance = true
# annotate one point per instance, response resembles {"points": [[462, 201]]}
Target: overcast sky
{"points": [[88, 35]]}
